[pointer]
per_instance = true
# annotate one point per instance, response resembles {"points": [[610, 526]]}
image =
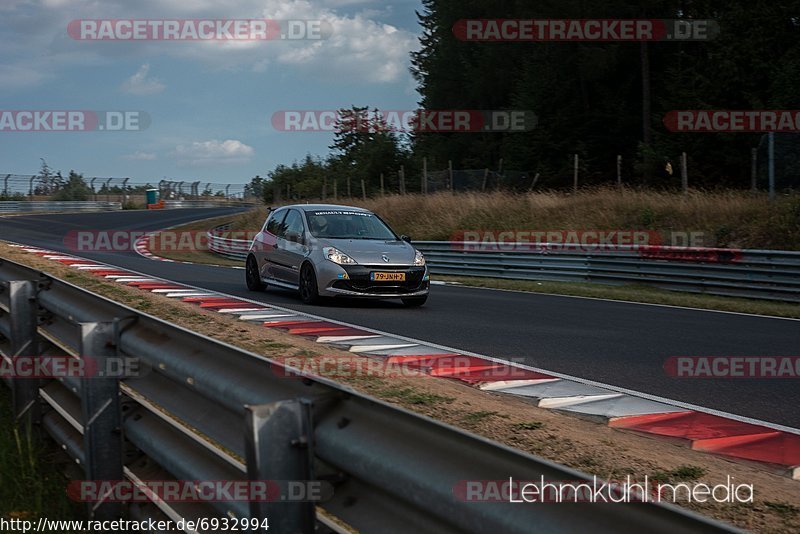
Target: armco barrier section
{"points": [[761, 274], [47, 206], [183, 204], [235, 249], [199, 409]]}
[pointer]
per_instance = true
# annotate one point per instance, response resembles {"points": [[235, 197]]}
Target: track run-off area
{"points": [[621, 344]]}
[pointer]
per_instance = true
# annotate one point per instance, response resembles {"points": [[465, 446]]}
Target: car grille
{"points": [[360, 280]]}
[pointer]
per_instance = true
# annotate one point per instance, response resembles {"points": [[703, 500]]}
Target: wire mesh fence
{"points": [[48, 187]]}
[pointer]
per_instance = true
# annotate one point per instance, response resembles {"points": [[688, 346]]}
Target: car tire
{"points": [[309, 292], [415, 302], [252, 276]]}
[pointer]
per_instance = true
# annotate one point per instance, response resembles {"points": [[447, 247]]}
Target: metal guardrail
{"points": [[235, 249], [199, 409], [176, 204], [13, 206], [761, 274]]}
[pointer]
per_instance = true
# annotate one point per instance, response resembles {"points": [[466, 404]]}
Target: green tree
{"points": [[74, 188]]}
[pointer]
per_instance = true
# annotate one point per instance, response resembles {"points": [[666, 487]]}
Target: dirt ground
{"points": [[581, 444]]}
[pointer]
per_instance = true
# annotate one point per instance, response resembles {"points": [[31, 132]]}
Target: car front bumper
{"points": [[354, 281]]}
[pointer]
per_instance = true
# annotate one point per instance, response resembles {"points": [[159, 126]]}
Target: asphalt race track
{"points": [[616, 343]]}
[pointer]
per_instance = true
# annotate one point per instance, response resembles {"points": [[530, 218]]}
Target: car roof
{"points": [[325, 207]]}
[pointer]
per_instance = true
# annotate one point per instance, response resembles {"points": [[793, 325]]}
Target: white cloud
{"points": [[20, 76], [361, 50], [214, 152], [140, 156], [139, 84]]}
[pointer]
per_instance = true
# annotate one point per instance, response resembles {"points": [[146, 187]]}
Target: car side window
{"points": [[274, 225], [293, 224]]}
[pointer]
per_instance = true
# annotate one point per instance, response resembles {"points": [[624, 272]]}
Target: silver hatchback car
{"points": [[326, 250]]}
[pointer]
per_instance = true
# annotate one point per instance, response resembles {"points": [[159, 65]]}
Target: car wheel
{"points": [[252, 275], [309, 292], [414, 302]]}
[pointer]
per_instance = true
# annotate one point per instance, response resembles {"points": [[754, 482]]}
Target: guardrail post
{"points": [[102, 435], [24, 343], [279, 448]]}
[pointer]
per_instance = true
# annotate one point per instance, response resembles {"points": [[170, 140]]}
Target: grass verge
{"points": [[32, 483], [730, 219]]}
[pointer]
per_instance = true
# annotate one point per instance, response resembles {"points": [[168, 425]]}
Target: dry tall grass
{"points": [[727, 218]]}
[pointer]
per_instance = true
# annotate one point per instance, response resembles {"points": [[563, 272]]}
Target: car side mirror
{"points": [[294, 237], [405, 238]]}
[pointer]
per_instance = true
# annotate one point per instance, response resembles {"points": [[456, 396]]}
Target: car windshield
{"points": [[343, 224]]}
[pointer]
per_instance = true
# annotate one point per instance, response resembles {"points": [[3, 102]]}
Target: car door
{"points": [[265, 244], [292, 248]]}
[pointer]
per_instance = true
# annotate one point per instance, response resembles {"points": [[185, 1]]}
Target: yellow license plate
{"points": [[388, 277]]}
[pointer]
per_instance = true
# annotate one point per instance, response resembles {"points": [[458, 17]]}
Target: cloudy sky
{"points": [[209, 104]]}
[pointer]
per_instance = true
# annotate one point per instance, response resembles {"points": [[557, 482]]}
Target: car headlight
{"points": [[419, 259], [337, 256]]}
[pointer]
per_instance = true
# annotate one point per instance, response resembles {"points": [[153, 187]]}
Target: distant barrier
{"points": [[177, 204], [54, 206]]}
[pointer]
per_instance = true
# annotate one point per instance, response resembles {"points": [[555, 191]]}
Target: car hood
{"points": [[368, 252]]}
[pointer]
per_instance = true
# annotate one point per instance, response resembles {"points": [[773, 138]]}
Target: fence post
{"points": [[24, 342], [279, 448], [324, 188], [335, 195], [5, 185], [771, 152], [450, 174], [100, 408], [499, 174], [30, 187], [424, 175], [124, 193], [533, 183], [575, 174], [382, 184], [349, 195], [753, 170], [363, 190], [485, 179], [684, 174], [619, 171], [402, 180]]}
